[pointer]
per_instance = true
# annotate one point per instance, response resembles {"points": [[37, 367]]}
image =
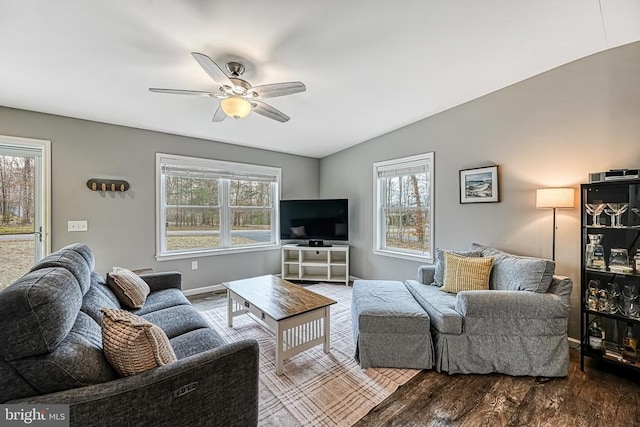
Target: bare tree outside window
{"points": [[404, 206], [16, 217], [216, 205]]}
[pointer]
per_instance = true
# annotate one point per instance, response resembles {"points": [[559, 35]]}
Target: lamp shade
{"points": [[555, 198], [235, 107]]}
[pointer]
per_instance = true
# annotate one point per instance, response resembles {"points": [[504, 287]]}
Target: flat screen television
{"points": [[314, 219]]}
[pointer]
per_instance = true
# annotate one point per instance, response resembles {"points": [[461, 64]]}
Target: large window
{"points": [[210, 206], [403, 216]]}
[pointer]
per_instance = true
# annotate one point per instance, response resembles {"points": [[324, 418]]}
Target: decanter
{"points": [[594, 253]]}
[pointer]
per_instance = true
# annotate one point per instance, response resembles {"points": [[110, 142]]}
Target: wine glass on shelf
{"points": [[595, 209], [615, 210], [637, 212], [613, 291], [630, 291]]}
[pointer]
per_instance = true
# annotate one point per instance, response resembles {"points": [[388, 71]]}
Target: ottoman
{"points": [[390, 328]]}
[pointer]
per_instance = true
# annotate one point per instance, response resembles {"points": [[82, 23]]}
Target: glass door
{"points": [[24, 205]]}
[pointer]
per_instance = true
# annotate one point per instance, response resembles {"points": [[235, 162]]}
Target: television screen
{"points": [[319, 219]]}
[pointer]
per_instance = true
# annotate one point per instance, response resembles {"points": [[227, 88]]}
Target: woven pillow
{"points": [[128, 287], [466, 273], [133, 345], [438, 276]]}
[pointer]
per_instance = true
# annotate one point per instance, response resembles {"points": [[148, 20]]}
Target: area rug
{"points": [[317, 389]]}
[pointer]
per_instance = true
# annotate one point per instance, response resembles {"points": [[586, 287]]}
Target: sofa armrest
{"points": [[426, 273], [163, 280], [510, 304], [219, 384]]}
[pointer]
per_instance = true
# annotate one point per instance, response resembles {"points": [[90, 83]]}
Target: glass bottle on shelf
{"points": [[629, 345], [602, 303], [636, 262], [594, 253], [592, 295], [596, 337]]}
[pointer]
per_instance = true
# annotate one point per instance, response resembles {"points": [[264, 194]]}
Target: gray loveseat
{"points": [[518, 327], [51, 352]]}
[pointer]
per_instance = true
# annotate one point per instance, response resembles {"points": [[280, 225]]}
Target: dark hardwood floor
{"points": [[594, 397]]}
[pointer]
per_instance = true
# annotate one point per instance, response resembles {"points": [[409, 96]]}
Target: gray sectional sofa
{"points": [[517, 327], [51, 352]]}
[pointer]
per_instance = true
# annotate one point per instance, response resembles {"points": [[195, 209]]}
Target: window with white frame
{"points": [[209, 206], [403, 217]]}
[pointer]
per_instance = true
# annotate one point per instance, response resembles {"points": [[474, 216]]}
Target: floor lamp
{"points": [[555, 198]]}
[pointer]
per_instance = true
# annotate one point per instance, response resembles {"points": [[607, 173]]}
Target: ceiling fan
{"points": [[237, 97]]}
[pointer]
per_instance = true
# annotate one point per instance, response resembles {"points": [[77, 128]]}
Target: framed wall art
{"points": [[479, 185]]}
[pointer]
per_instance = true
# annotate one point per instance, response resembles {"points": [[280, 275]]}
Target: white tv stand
{"points": [[316, 263]]}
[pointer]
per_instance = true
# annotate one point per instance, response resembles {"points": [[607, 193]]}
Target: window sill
{"points": [[404, 255], [214, 252]]}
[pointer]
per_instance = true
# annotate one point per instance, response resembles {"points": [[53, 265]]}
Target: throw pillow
{"points": [[438, 275], [517, 273], [133, 345], [128, 287], [466, 273]]}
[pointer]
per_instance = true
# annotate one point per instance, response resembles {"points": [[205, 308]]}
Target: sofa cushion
{"points": [[386, 306], [517, 273], [162, 299], [466, 273], [37, 312], [133, 345], [77, 361], [438, 276], [77, 259], [130, 289], [440, 306], [195, 342], [177, 320]]}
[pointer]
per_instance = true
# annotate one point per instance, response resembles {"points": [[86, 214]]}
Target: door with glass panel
{"points": [[24, 184]]}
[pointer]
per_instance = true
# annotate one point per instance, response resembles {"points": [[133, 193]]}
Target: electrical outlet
{"points": [[194, 265], [77, 226]]}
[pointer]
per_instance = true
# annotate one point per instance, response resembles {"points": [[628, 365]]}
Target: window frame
{"points": [[223, 167], [379, 218]]}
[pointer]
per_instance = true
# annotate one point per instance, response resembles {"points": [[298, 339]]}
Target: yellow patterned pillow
{"points": [[466, 273]]}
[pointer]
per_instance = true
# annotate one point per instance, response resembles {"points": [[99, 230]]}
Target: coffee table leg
{"points": [[279, 355], [229, 309], [327, 332]]}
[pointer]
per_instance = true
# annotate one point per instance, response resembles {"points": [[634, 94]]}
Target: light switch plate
{"points": [[77, 226]]}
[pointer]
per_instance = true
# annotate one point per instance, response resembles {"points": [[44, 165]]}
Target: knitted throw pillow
{"points": [[133, 345], [466, 273], [128, 287]]}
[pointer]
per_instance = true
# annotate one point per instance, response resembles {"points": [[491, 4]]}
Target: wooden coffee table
{"points": [[298, 317]]}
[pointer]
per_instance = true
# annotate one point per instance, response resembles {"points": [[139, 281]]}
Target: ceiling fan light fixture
{"points": [[235, 107]]}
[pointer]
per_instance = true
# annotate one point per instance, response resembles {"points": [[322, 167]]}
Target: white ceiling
{"points": [[369, 66]]}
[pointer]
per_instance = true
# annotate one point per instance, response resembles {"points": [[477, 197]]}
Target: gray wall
{"points": [[122, 225], [548, 131]]}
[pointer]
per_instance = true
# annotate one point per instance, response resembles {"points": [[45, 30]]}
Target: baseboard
{"points": [[203, 290], [573, 342]]}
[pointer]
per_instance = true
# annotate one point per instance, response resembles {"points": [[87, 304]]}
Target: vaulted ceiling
{"points": [[369, 66]]}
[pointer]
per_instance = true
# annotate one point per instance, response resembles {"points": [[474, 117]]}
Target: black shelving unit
{"points": [[628, 237]]}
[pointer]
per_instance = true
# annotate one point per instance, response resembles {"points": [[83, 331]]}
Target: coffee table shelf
{"points": [[298, 317]]}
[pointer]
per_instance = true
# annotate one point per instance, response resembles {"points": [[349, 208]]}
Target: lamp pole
{"points": [[553, 249]]}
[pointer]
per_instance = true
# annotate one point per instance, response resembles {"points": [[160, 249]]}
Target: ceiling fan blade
{"points": [[212, 69], [268, 111], [278, 89], [181, 92], [219, 115]]}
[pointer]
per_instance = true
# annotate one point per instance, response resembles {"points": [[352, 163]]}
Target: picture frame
{"points": [[479, 185]]}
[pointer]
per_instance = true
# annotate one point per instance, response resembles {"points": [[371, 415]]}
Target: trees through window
{"points": [[210, 205], [404, 208]]}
